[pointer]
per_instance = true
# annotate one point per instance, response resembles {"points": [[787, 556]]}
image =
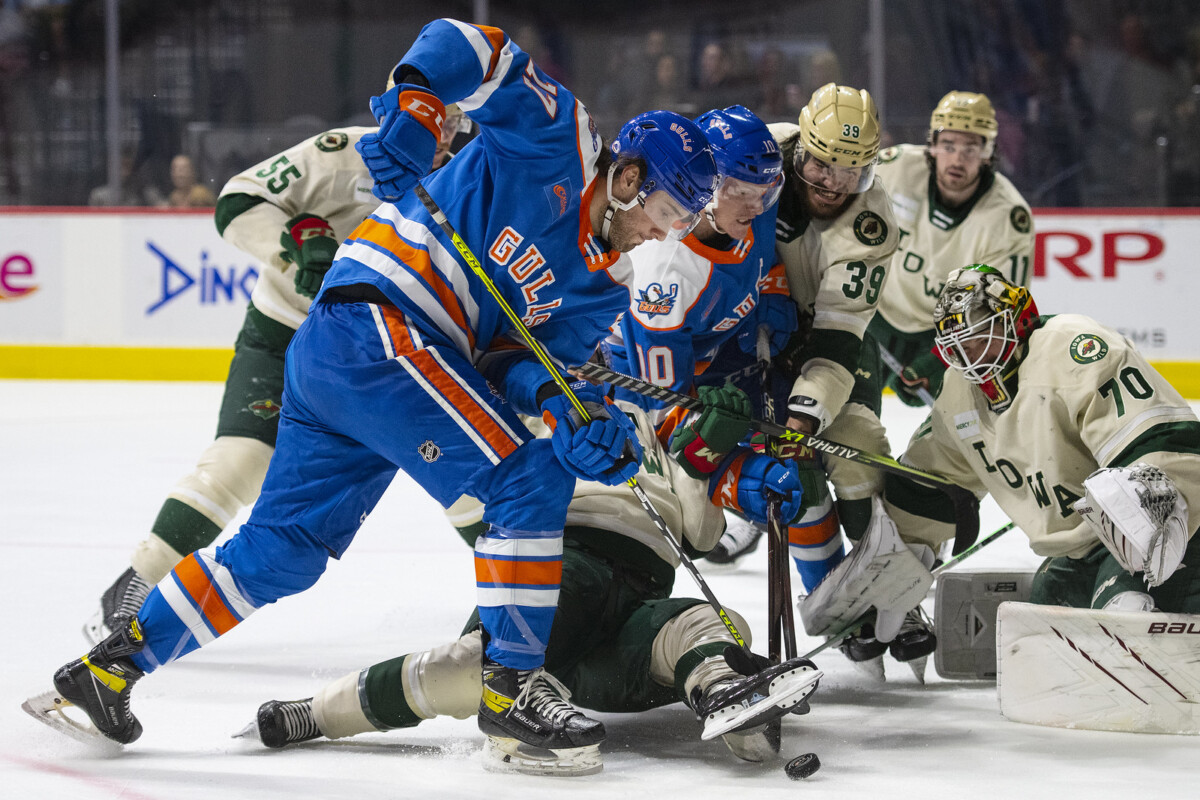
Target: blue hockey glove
{"points": [[308, 243], [605, 449], [750, 481], [778, 312], [401, 152]]}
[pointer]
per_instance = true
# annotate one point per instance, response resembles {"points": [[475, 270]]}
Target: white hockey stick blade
{"points": [[1137, 672], [783, 693], [511, 755], [50, 708]]}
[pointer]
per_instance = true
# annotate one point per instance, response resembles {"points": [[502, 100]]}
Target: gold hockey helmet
{"points": [[967, 112], [840, 127]]}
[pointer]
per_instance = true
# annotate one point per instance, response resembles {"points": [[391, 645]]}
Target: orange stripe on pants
{"points": [[525, 573], [204, 594]]}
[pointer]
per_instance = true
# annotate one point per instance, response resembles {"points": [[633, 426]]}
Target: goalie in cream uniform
{"points": [[952, 208], [1076, 437]]}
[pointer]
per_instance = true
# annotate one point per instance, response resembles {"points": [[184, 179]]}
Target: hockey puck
{"points": [[801, 767]]}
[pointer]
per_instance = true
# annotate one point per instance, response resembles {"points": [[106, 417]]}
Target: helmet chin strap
{"points": [[614, 205], [712, 217]]}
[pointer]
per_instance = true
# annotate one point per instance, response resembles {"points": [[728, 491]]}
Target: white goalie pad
{"points": [[1140, 516], [881, 572], [1099, 670], [510, 755], [964, 613]]}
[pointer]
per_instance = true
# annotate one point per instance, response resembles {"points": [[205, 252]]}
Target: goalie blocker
{"points": [[1099, 670]]}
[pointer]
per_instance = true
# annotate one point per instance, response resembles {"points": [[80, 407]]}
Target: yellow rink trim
{"points": [[115, 363], [212, 364]]}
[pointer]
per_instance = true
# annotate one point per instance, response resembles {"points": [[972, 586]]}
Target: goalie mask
{"points": [[839, 132], [981, 320], [966, 112]]}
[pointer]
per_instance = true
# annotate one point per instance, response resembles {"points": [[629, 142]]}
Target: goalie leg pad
{"points": [[881, 572], [1099, 670]]}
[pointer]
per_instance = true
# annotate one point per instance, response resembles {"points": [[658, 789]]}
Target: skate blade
{"points": [[786, 691], [248, 732], [917, 665], [756, 744], [511, 755], [50, 708]]}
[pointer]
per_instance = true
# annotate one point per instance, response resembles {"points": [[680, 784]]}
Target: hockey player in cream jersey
{"points": [[952, 208], [619, 642], [1077, 438], [835, 235], [288, 212]]}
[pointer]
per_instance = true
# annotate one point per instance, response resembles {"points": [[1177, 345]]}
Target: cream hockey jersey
{"points": [[994, 228], [1085, 398], [836, 270], [324, 176]]}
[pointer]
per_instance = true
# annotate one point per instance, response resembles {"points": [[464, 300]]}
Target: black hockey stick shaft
{"points": [[781, 628], [849, 628], [544, 357], [895, 366]]}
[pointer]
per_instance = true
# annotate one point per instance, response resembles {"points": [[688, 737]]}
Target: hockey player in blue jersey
{"points": [[406, 362], [690, 296]]}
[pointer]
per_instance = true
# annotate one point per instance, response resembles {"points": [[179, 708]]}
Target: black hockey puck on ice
{"points": [[802, 766]]}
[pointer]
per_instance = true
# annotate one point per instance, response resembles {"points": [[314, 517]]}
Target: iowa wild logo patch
{"points": [[870, 229], [332, 141], [1088, 347], [266, 409]]}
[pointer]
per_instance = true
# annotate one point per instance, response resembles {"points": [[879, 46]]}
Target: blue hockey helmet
{"points": [[744, 151], [678, 163]]}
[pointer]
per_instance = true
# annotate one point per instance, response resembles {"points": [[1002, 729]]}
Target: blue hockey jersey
{"points": [[518, 195]]}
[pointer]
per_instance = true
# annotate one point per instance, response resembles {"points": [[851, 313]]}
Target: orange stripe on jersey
{"points": [[524, 573], [419, 262], [670, 421], [403, 343], [594, 262], [734, 255], [477, 416], [495, 38], [204, 594], [818, 533]]}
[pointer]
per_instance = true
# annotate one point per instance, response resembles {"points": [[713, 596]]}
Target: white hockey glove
{"points": [[1140, 516], [881, 572]]}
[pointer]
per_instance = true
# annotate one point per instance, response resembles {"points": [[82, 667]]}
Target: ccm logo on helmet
{"points": [[683, 135]]}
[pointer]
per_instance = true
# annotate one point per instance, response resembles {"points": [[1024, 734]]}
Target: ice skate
{"points": [[532, 729], [99, 685], [279, 723], [757, 744], [119, 602], [865, 652], [741, 537], [915, 642], [743, 702]]}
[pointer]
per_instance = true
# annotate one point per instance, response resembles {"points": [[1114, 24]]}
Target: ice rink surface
{"points": [[84, 469]]}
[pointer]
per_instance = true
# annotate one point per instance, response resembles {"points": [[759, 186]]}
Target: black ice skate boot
{"points": [[283, 722], [740, 538], [100, 683], [530, 726], [915, 642], [119, 602], [739, 703]]}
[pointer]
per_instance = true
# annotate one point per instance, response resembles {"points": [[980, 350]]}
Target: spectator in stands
{"points": [[186, 190]]}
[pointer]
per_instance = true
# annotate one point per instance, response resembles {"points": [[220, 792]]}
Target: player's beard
{"points": [[817, 208], [623, 234]]}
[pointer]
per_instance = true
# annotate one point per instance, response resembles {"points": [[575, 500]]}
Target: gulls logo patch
{"points": [[332, 141], [1087, 347], [653, 301], [429, 451], [870, 229], [559, 196]]}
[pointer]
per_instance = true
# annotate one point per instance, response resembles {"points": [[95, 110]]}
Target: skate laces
{"points": [[298, 721], [136, 592], [915, 620], [547, 695]]}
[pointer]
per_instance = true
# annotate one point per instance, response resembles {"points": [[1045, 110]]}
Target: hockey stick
{"points": [[966, 506], [540, 352], [850, 627], [779, 578], [895, 366]]}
